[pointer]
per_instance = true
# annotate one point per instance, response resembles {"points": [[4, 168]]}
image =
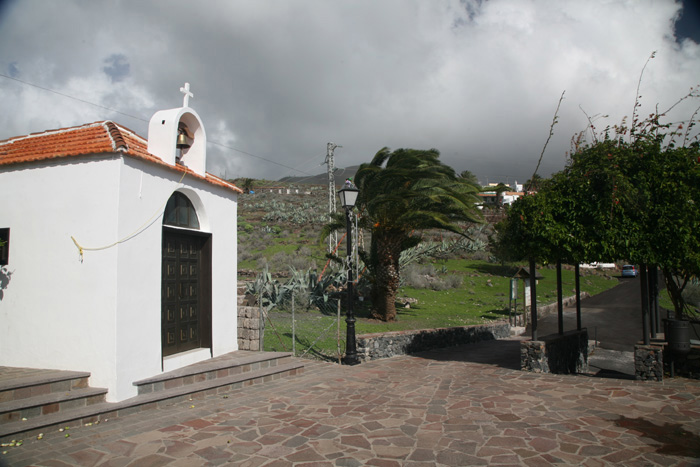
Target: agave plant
{"points": [[301, 284]]}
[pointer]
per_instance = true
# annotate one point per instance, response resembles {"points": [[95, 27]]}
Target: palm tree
{"points": [[402, 193], [470, 177]]}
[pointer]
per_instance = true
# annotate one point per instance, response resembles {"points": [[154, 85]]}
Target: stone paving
{"points": [[466, 406]]}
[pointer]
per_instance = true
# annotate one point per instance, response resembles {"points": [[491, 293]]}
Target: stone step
{"points": [[27, 394], [224, 373], [38, 406], [21, 383], [236, 363]]}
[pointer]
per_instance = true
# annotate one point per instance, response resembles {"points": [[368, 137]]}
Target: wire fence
{"points": [[306, 327]]}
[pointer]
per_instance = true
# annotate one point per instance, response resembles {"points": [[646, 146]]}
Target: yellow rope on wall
{"points": [[144, 226]]}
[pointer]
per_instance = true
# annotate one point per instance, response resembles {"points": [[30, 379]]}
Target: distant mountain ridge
{"points": [[321, 179]]}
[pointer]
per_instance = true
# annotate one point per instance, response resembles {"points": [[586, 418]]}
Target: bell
{"points": [[182, 141]]}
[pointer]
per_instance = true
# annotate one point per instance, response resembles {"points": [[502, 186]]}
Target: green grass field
{"points": [[483, 297]]}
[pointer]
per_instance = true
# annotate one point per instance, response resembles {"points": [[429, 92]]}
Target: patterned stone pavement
{"points": [[466, 406]]}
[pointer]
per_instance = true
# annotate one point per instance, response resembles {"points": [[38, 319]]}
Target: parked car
{"points": [[629, 270]]}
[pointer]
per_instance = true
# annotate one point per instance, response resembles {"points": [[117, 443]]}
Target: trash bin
{"points": [[678, 336]]}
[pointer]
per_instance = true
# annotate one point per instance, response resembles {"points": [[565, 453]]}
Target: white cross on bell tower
{"points": [[187, 93]]}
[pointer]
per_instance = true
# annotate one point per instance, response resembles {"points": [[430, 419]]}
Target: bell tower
{"points": [[177, 136]]}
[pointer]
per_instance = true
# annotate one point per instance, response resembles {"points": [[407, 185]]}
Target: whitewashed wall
{"points": [[102, 314], [57, 312]]}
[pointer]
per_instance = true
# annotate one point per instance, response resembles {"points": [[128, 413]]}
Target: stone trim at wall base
{"points": [[649, 362], [391, 344]]}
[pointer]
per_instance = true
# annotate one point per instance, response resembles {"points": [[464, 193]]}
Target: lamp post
{"points": [[348, 197]]}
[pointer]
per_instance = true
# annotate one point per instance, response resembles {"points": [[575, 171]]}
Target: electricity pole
{"points": [[330, 147]]}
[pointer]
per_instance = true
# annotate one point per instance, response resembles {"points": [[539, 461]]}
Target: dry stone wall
{"points": [[390, 344]]}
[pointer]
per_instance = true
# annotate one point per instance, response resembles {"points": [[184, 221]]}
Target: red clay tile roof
{"points": [[94, 138]]}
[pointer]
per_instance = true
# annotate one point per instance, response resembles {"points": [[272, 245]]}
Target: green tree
{"points": [[248, 184], [536, 228], [669, 207], [642, 203], [632, 194], [617, 199], [401, 194]]}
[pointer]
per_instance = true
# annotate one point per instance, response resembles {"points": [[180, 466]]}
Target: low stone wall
{"points": [[390, 344], [248, 328], [533, 357], [562, 354]]}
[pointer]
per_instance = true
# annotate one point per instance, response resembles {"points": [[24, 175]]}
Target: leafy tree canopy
{"points": [[636, 199]]}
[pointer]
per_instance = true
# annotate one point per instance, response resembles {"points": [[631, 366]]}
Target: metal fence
{"points": [[306, 326]]}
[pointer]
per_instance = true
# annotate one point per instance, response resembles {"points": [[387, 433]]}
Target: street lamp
{"points": [[348, 197]]}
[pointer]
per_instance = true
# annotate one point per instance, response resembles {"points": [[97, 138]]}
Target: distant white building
{"points": [[121, 255], [509, 197], [493, 198]]}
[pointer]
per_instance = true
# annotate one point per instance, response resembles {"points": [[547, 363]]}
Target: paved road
{"points": [[613, 318]]}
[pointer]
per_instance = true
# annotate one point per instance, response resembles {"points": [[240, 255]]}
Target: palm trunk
{"points": [[386, 250]]}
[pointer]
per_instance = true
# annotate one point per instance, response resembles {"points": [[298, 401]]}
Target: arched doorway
{"points": [[186, 279]]}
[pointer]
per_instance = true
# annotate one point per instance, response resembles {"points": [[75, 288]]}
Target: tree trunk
{"points": [[675, 292], [386, 250]]}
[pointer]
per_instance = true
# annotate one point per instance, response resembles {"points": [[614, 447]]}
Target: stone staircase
{"points": [[31, 399], [34, 401]]}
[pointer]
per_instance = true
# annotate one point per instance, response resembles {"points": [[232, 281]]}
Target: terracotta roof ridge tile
{"points": [[43, 134], [118, 135], [115, 136]]}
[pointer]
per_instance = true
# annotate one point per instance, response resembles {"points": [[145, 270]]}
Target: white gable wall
{"points": [[145, 190], [142, 201], [103, 314], [56, 312]]}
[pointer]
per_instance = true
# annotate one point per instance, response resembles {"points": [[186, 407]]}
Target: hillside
{"points": [[281, 227], [280, 230], [322, 179]]}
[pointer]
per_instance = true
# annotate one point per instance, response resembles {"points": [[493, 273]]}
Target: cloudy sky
{"points": [[274, 81]]}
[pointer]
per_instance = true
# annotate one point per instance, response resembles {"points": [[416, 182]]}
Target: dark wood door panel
{"points": [[183, 310]]}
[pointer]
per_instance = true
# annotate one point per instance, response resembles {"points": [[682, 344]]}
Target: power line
{"points": [[146, 121], [260, 157], [72, 97]]}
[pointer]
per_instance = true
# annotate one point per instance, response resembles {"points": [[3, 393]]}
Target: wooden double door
{"points": [[186, 291]]}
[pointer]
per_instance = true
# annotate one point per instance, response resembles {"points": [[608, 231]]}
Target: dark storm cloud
{"points": [[688, 24], [117, 67], [479, 81]]}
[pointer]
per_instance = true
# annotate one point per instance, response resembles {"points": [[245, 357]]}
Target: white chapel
{"points": [[119, 253]]}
